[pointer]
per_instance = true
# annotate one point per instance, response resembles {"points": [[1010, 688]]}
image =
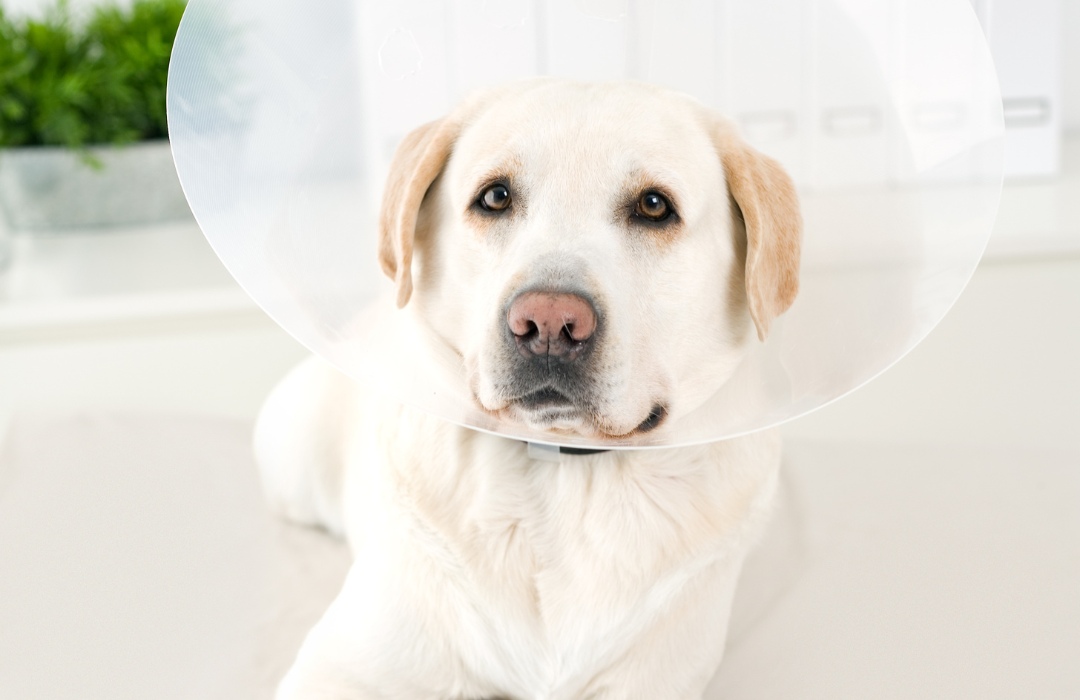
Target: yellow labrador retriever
{"points": [[600, 256]]}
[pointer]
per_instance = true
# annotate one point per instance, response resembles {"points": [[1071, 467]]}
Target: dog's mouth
{"points": [[548, 408], [657, 415], [547, 398]]}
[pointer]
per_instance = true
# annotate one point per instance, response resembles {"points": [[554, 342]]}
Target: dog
{"points": [[599, 256]]}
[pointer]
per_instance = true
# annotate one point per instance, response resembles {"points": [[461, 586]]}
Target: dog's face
{"points": [[583, 247]]}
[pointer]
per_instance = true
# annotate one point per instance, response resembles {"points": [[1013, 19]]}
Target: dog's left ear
{"points": [[417, 162], [766, 197]]}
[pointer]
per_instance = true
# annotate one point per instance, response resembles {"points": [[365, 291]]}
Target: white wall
{"points": [[1070, 67], [1070, 27]]}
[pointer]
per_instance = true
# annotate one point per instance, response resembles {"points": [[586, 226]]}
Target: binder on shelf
{"points": [[1024, 38]]}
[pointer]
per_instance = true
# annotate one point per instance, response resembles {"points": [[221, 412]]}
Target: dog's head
{"points": [[596, 253]]}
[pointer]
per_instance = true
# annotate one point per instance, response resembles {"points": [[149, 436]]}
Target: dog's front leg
{"points": [[378, 641], [678, 655], [338, 661]]}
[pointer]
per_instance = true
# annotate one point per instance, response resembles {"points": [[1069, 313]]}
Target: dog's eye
{"points": [[495, 198], [653, 206]]}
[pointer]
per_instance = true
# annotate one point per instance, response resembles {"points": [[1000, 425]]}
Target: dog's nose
{"points": [[553, 324]]}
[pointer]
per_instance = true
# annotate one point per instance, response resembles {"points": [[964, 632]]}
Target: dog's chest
{"points": [[558, 568]]}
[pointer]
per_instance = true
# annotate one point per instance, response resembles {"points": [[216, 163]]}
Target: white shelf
{"points": [[101, 278]]}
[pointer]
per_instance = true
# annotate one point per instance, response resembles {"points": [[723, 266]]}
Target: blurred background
{"points": [[132, 365], [110, 298]]}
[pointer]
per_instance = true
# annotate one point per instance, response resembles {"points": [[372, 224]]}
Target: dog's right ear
{"points": [[417, 162]]}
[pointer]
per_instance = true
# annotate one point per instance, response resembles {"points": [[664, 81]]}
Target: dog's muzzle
{"points": [[550, 337]]}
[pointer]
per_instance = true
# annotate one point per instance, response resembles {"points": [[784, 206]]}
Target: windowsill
{"points": [[103, 278], [1041, 217]]}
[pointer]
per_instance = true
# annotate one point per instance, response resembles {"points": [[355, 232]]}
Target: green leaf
{"points": [[76, 84]]}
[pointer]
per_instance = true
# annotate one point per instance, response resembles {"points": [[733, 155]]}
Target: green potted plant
{"points": [[83, 132]]}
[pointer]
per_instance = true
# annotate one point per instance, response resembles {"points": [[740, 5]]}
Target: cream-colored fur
{"points": [[479, 572]]}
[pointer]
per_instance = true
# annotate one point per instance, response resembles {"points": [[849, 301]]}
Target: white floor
{"points": [[137, 561], [929, 545]]}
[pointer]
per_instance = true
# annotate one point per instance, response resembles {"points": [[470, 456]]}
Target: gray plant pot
{"points": [[45, 188]]}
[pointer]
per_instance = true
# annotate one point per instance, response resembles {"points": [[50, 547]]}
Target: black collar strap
{"points": [[551, 453], [579, 451]]}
